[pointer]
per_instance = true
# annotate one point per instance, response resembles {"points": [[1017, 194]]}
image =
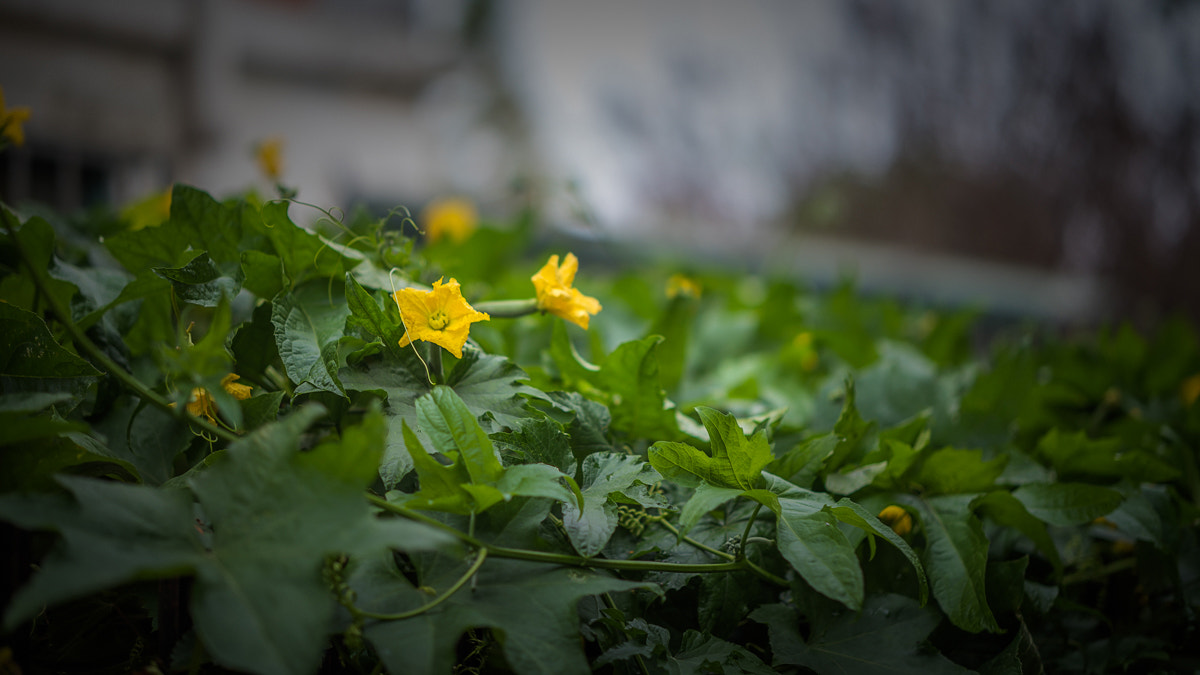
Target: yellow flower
{"points": [[555, 294], [453, 217], [11, 121], [441, 316], [1190, 389], [269, 154], [897, 518], [152, 210], [201, 404], [679, 284]]}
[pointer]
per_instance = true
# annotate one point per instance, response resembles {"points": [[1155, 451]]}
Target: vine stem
{"points": [[462, 581], [508, 309], [82, 342], [574, 560], [741, 554], [688, 540]]}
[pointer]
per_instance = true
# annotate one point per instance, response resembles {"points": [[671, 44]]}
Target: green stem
{"points": [[746, 533], [693, 542], [462, 581], [574, 560], [508, 309], [435, 364], [83, 343]]}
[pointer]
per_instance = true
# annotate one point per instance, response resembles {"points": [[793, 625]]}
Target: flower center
{"points": [[438, 320]]}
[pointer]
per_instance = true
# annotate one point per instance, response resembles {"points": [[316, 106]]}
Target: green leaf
{"points": [[854, 514], [112, 533], [814, 546], [702, 653], [588, 428], [888, 637], [474, 480], [198, 222], [954, 471], [589, 526], [537, 440], [366, 314], [200, 282], [489, 385], [956, 559], [440, 483], [530, 607], [1066, 504], [304, 255], [38, 443], [308, 324], [262, 273], [706, 498], [1006, 510], [853, 433], [146, 437], [31, 361], [743, 456], [260, 603], [456, 433], [736, 461], [1074, 454]]}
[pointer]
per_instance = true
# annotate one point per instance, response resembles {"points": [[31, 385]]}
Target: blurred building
{"points": [[374, 100], [1030, 158]]}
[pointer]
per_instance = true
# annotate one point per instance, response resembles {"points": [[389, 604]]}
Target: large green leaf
{"points": [[490, 386], [198, 222], [1006, 510], [275, 514], [956, 558], [854, 514], [887, 638], [954, 471], [814, 546], [704, 653], [259, 603], [1067, 504], [201, 281], [31, 361], [737, 461], [474, 480], [531, 608], [604, 473], [308, 324], [1074, 454], [304, 255], [112, 533]]}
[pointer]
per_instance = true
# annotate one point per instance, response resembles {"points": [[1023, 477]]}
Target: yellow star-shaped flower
{"points": [[269, 154], [453, 218], [555, 294], [11, 121], [201, 403], [441, 316]]}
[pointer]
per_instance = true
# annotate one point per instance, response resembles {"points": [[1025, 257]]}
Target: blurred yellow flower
{"points": [[452, 217], [269, 154], [1190, 389], [679, 284], [11, 121], [897, 518], [149, 211], [201, 403], [441, 316], [555, 294]]}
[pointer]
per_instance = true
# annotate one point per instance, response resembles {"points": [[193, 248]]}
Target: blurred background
{"points": [[1031, 159]]}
